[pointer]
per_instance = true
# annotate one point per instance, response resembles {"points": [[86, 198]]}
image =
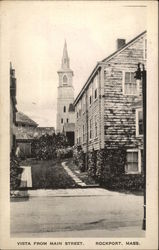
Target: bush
{"points": [[15, 172], [46, 147], [92, 162], [79, 157], [64, 153], [110, 162]]}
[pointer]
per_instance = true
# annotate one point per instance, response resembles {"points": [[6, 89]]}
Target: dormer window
{"points": [[65, 79]]}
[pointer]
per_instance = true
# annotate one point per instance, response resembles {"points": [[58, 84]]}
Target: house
{"points": [[107, 115], [25, 130], [13, 108]]}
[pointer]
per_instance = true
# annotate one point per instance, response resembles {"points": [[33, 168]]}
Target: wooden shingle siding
{"points": [[114, 108], [119, 115]]}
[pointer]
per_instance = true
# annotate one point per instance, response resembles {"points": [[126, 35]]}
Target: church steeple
{"points": [[65, 59]]}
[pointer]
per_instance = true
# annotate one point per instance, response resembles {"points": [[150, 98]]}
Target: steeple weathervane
{"points": [[65, 58]]}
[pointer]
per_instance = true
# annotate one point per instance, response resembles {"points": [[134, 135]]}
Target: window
{"points": [[95, 94], [67, 120], [145, 49], [79, 137], [90, 94], [61, 120], [90, 100], [90, 129], [64, 109], [84, 103], [133, 161], [95, 86], [65, 79], [130, 84], [83, 133], [139, 122], [79, 108], [95, 127]]}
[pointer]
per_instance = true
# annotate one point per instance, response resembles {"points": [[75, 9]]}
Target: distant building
{"points": [[107, 115], [65, 99], [44, 130], [25, 130], [13, 108]]}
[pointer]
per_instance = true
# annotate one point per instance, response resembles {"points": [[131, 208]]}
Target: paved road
{"points": [[77, 212]]}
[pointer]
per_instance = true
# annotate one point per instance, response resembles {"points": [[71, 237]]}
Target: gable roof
{"points": [[123, 47], [24, 119], [99, 64]]}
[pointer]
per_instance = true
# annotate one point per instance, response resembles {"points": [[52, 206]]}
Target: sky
{"points": [[38, 30]]}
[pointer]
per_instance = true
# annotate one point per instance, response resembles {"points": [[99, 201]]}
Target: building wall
{"points": [[13, 109], [65, 98], [89, 115], [119, 114], [114, 109], [11, 124]]}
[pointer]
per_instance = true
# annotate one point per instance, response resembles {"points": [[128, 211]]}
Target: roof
{"points": [[24, 119], [99, 64], [71, 108]]}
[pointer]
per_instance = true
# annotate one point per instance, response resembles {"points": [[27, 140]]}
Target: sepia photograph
{"points": [[78, 122]]}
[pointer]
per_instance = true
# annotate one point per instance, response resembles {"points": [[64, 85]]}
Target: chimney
{"points": [[120, 43]]}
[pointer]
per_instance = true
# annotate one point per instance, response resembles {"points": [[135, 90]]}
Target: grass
{"points": [[49, 175]]}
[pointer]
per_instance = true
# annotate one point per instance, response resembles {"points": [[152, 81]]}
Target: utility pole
{"points": [[140, 75]]}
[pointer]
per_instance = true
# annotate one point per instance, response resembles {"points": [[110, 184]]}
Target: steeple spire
{"points": [[65, 59]]}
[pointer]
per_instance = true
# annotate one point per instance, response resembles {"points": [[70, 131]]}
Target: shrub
{"points": [[110, 162], [79, 157], [45, 147], [15, 172], [92, 162]]}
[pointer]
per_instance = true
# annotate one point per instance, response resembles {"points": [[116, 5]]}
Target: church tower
{"points": [[65, 99]]}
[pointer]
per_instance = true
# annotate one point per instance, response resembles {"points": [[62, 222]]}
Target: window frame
{"points": [[139, 161], [95, 87], [123, 83], [90, 130], [95, 127], [83, 131]]}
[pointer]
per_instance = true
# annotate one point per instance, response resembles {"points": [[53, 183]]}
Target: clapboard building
{"points": [[106, 112]]}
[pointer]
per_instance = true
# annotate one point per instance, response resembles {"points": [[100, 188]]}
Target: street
{"points": [[90, 212]]}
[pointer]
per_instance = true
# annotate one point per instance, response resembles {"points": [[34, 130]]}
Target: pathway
{"points": [[74, 177], [26, 178]]}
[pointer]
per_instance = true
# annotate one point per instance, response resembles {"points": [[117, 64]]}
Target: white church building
{"points": [[65, 120]]}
